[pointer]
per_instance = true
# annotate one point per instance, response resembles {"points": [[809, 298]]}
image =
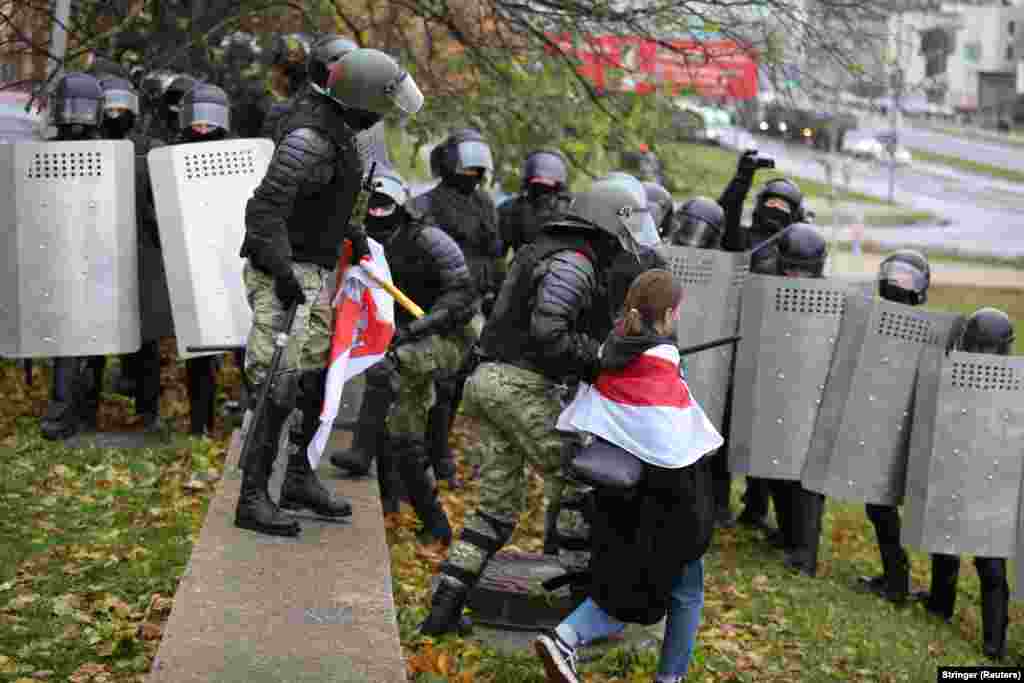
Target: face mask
{"points": [[75, 131], [382, 218], [117, 128], [464, 184], [360, 120], [774, 219], [538, 191]]}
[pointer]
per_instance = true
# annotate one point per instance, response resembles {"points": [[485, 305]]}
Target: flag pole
{"points": [[407, 303]]}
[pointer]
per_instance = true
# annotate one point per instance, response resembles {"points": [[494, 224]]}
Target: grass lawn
{"points": [[892, 217], [968, 166], [95, 542]]}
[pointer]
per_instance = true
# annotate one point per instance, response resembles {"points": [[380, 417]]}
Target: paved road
{"points": [[984, 215], [980, 151]]}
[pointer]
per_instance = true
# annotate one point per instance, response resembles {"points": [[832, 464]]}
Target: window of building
{"points": [[1009, 53], [1011, 27]]}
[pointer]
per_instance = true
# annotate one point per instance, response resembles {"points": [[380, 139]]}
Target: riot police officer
{"points": [[168, 111], [76, 109], [698, 222], [802, 253], [295, 224], [545, 177], [427, 265], [778, 204], [461, 208], [152, 87], [988, 330], [542, 333], [140, 371], [903, 277], [204, 115]]}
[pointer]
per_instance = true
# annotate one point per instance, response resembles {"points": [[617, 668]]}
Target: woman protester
{"points": [[648, 541]]}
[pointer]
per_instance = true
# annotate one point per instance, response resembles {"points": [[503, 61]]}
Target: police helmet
{"points": [[205, 105], [77, 99], [802, 251], [241, 47], [325, 51], [388, 183], [171, 100], [988, 330], [779, 189], [660, 203], [463, 149], [545, 167], [618, 207], [119, 98], [700, 223], [904, 277], [371, 81]]}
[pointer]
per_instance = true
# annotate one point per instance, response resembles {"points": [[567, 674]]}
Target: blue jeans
{"points": [[589, 622]]}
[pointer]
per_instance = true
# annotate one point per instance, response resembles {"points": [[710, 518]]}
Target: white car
{"points": [[873, 149]]}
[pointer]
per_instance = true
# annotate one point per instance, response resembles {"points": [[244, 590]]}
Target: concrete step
{"points": [[252, 608]]}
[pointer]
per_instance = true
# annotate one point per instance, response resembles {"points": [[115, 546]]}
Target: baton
{"points": [[280, 343], [708, 345], [204, 349]]}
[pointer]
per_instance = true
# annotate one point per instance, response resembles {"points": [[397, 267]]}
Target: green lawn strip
{"points": [[91, 536], [967, 165], [762, 622], [897, 216]]}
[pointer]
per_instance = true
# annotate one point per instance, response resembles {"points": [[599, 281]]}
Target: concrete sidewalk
{"points": [[258, 609]]}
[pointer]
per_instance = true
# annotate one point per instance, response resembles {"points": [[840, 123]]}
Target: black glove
{"points": [[360, 247], [748, 164], [289, 291], [487, 304]]}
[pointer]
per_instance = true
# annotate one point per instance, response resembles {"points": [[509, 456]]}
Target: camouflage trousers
{"points": [[514, 411], [310, 341], [419, 364]]}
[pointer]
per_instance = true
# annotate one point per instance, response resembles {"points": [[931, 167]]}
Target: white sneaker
{"points": [[559, 659]]}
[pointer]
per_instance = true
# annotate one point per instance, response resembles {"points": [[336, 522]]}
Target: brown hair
{"points": [[652, 293]]}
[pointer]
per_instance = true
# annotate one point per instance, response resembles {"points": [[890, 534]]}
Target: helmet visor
{"points": [[902, 276], [473, 154], [642, 229], [76, 110], [388, 186], [121, 99], [404, 93], [205, 114]]}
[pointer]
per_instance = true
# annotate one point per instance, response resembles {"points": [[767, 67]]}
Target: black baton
{"points": [[280, 343], [708, 345], [204, 349]]}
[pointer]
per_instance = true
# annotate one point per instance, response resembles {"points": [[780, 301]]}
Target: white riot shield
{"points": [[789, 328], [70, 281], [859, 447], [201, 190], [966, 455], [712, 285]]}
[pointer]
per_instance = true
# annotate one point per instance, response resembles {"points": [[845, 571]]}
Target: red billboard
{"points": [[717, 68]]}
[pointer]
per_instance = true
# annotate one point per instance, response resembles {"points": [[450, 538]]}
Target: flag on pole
{"points": [[364, 322], [646, 409]]}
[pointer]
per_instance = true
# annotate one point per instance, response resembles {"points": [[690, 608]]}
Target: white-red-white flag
{"points": [[364, 322], [646, 409]]}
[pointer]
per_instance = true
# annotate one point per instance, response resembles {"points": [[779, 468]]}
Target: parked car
{"points": [[874, 149]]}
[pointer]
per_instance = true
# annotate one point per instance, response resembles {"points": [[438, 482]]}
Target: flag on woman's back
{"points": [[364, 322]]}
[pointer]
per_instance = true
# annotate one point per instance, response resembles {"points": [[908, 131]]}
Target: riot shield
{"points": [[201, 190], [965, 464], [712, 284], [859, 446], [789, 328], [70, 281]]}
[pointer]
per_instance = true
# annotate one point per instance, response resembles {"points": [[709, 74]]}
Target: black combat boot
{"points": [[357, 459], [302, 489], [390, 483], [995, 603], [412, 467], [755, 509], [893, 584], [62, 419], [126, 380], [446, 607], [256, 511]]}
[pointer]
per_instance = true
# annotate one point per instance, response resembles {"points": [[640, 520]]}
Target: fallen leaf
{"points": [[117, 605], [149, 631], [42, 675]]}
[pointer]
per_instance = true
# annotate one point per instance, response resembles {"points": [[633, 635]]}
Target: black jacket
{"points": [[430, 268], [300, 212], [520, 220], [641, 541], [740, 238], [472, 221], [549, 313]]}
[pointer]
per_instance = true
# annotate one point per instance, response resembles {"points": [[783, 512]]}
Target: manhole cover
{"points": [[509, 595]]}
